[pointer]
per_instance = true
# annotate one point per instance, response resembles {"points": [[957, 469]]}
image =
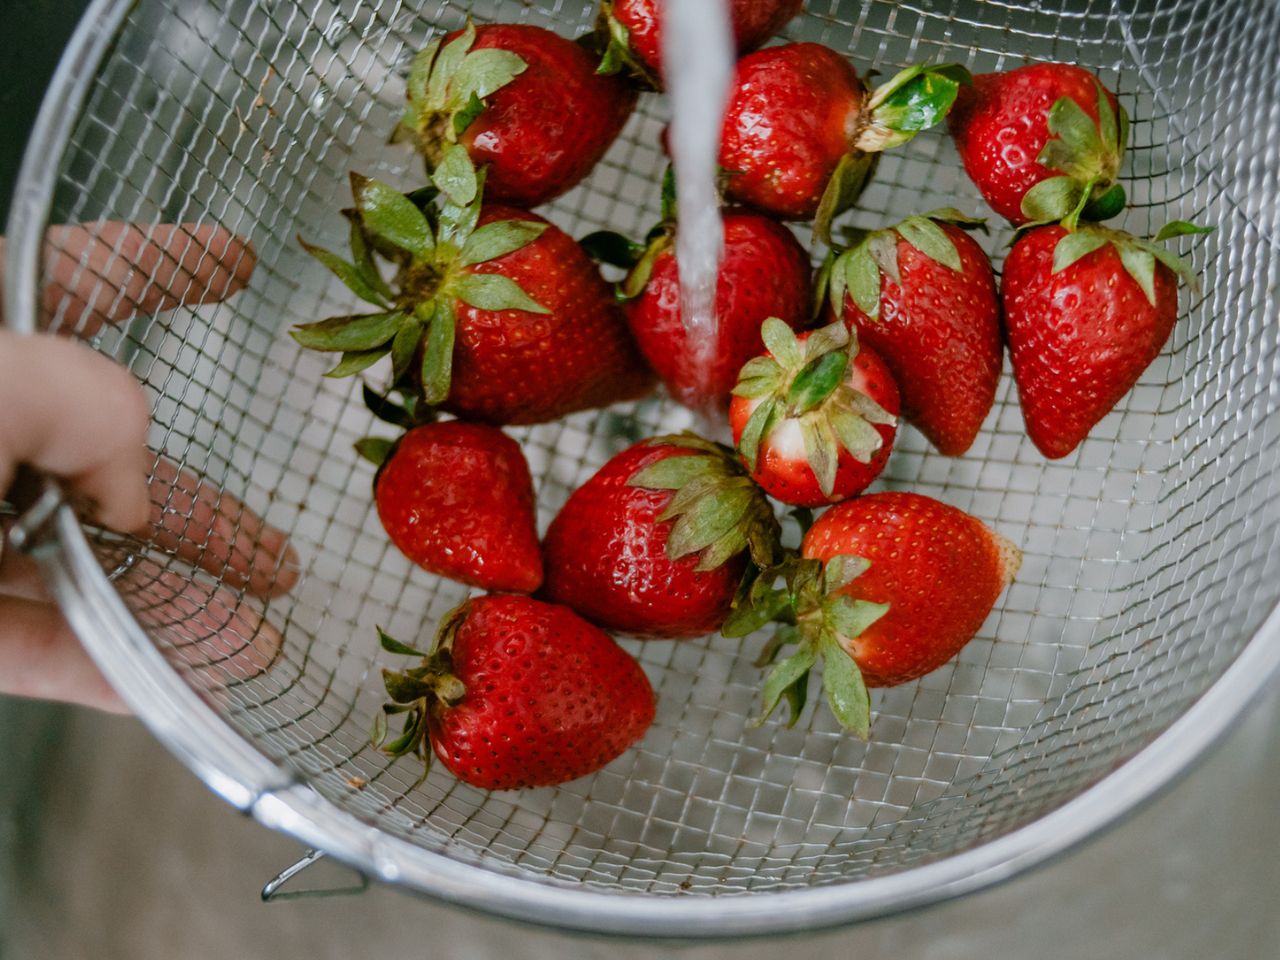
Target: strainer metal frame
{"points": [[230, 766]]}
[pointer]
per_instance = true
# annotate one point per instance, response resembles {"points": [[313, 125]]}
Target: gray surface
{"points": [[132, 858]]}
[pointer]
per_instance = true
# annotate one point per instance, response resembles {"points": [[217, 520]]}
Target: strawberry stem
{"points": [[377, 450], [914, 99], [1109, 204], [1086, 155], [823, 621], [419, 692], [606, 246]]}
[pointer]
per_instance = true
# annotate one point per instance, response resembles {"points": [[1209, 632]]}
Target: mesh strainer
{"points": [[1141, 623]]}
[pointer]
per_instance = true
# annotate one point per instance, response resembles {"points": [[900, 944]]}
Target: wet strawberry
{"points": [[764, 273], [457, 499], [814, 419], [657, 542], [517, 693], [1085, 313], [493, 313], [1042, 142], [922, 294], [516, 366], [632, 29], [802, 131], [527, 104], [890, 587]]}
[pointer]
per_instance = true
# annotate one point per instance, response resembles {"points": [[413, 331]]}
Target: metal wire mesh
{"points": [[1150, 553]]}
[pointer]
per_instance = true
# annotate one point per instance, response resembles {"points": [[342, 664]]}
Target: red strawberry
{"points": [[1085, 313], [922, 294], [457, 499], [764, 273], [494, 313], [513, 366], [527, 104], [814, 418], [656, 543], [633, 31], [891, 587], [517, 693], [1042, 142], [802, 131], [938, 570]]}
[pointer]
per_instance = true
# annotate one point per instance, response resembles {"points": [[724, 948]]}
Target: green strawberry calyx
{"points": [[431, 240], [406, 414], [717, 511], [856, 272], [912, 100], [419, 692], [1139, 257], [614, 42], [807, 382], [638, 259], [447, 87], [816, 614], [1086, 156]]}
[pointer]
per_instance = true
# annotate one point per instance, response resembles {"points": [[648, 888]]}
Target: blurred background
{"points": [[109, 848]]}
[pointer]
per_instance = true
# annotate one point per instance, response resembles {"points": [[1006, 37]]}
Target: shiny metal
{"points": [[273, 891], [31, 524], [1143, 621]]}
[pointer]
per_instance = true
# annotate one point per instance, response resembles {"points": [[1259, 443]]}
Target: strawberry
{"points": [[632, 29], [814, 418], [802, 131], [922, 294], [890, 587], [525, 103], [516, 693], [1043, 143], [1085, 314], [764, 272], [457, 499], [494, 314], [657, 542]]}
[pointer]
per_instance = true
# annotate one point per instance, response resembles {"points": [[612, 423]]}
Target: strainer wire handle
{"points": [[33, 501], [272, 892]]}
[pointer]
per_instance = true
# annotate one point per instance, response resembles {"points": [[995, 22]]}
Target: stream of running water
{"points": [[698, 58]]}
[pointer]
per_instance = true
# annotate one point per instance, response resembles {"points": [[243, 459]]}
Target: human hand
{"points": [[72, 413]]}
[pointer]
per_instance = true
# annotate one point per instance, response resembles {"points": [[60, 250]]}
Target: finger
{"points": [[41, 658], [75, 414], [193, 520], [210, 528], [201, 628], [107, 272], [19, 575]]}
